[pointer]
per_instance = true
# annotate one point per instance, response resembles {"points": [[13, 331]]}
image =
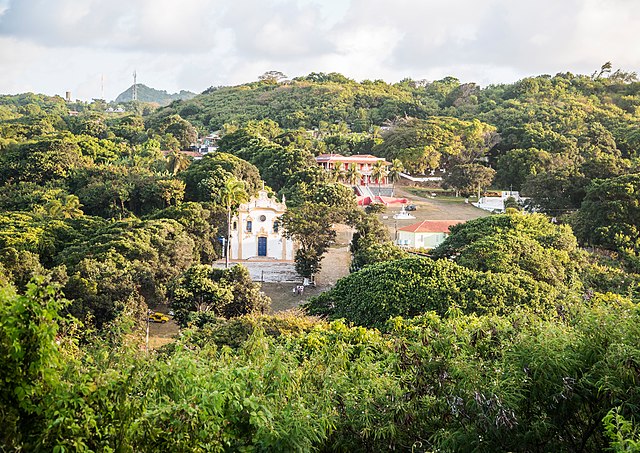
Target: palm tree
{"points": [[67, 207], [232, 194], [176, 162], [337, 173], [379, 171], [394, 172], [352, 174]]}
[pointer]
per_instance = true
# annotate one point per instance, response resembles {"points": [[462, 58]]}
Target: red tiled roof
{"points": [[346, 159], [430, 226]]}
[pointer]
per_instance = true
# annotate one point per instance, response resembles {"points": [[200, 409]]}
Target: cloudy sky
{"points": [[52, 46]]}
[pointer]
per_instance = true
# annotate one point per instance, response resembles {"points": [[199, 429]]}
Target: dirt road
{"points": [[335, 265]]}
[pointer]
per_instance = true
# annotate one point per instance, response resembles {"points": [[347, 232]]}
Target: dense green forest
{"points": [[518, 333]]}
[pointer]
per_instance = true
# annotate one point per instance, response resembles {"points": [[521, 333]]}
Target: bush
{"points": [[412, 286], [219, 292]]}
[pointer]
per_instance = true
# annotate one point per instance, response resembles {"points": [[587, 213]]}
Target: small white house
{"points": [[496, 204], [427, 234], [256, 232]]}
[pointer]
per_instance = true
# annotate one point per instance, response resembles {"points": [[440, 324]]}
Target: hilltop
{"points": [[148, 94]]}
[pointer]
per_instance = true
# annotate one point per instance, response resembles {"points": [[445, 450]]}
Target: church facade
{"points": [[256, 232]]}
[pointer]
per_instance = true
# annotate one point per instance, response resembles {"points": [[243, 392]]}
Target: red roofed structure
{"points": [[427, 234], [431, 226], [364, 164]]}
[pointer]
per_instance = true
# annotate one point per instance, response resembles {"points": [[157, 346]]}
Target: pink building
{"points": [[364, 164]]}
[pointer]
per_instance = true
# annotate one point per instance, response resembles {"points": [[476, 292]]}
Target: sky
{"points": [[92, 47]]}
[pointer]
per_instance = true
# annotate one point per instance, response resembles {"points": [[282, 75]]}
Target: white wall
{"points": [[262, 212], [420, 240]]}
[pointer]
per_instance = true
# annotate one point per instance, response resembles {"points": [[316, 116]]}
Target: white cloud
{"points": [[55, 45]]}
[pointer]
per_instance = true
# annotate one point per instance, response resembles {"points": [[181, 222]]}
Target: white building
{"points": [[496, 204], [256, 232], [427, 234]]}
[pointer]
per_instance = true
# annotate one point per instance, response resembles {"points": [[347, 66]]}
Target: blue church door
{"points": [[262, 246]]}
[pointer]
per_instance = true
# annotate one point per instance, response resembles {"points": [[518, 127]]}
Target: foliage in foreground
{"points": [[483, 383]]}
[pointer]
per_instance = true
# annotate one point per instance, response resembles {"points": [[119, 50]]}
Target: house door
{"points": [[262, 246]]}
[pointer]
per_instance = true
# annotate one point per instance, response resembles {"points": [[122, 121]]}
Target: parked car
{"points": [[158, 317], [410, 207]]}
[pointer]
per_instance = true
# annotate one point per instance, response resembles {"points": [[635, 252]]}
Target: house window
{"points": [[276, 226], [235, 226], [249, 226]]}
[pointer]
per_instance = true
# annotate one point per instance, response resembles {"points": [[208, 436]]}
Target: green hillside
{"points": [[564, 102], [148, 94], [520, 332]]}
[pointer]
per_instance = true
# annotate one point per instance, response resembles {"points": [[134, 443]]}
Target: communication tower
{"points": [[134, 95]]}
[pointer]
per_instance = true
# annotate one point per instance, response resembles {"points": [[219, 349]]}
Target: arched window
{"points": [[234, 227], [276, 226], [249, 226]]}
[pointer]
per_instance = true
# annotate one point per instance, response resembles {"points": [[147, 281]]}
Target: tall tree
{"points": [[310, 225], [176, 162], [379, 171], [337, 172], [232, 194], [610, 216], [469, 178], [394, 173], [67, 207], [272, 77], [352, 174]]}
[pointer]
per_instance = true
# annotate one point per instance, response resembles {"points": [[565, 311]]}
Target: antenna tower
{"points": [[134, 95]]}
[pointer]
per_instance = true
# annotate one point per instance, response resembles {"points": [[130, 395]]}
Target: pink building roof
{"points": [[194, 154], [430, 226], [357, 158]]}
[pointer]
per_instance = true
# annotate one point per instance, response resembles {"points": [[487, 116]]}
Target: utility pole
{"points": [[146, 343], [395, 237]]}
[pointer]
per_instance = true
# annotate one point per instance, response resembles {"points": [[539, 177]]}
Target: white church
{"points": [[256, 232]]}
